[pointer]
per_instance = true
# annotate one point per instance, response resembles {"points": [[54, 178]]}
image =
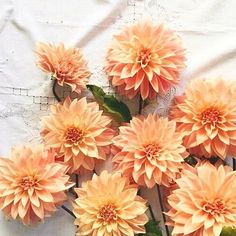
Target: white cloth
{"points": [[208, 29]]}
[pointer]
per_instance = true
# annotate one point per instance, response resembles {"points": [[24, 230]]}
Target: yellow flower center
{"points": [[210, 115], [214, 208], [107, 213], [73, 135], [152, 151], [143, 57], [27, 182]]}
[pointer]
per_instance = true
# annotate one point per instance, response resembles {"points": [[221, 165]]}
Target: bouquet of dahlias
{"points": [[183, 155]]}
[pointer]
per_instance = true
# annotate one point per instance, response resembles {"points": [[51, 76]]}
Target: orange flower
{"points": [[79, 132], [145, 58], [173, 185], [108, 206], [204, 201], [206, 115], [151, 151], [32, 184], [66, 65]]}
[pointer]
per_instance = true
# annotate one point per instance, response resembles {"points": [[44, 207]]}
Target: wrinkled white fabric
{"points": [[208, 29]]}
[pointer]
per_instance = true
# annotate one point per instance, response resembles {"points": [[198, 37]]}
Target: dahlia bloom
{"points": [[173, 185], [145, 59], [204, 202], [206, 115], [32, 184], [108, 206], [66, 65], [150, 151], [78, 131]]}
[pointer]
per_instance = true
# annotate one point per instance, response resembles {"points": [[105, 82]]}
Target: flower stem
{"points": [[54, 90], [234, 164], [162, 210], [140, 108], [76, 180], [151, 212], [68, 211], [71, 190]]}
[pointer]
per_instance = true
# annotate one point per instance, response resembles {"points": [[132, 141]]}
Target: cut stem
{"points": [[68, 211], [54, 90], [140, 108], [162, 210], [76, 180], [234, 164], [149, 207], [151, 212], [71, 190]]}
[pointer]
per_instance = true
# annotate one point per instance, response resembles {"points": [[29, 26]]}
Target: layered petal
{"points": [[66, 65], [203, 201], [79, 132], [206, 115], [145, 59], [107, 205], [149, 151], [32, 184]]}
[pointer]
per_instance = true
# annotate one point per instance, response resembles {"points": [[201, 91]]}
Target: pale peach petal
{"points": [[85, 134], [150, 151], [66, 65], [39, 180], [203, 201], [138, 64], [108, 206], [206, 115]]}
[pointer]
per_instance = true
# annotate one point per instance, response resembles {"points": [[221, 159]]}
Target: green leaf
{"points": [[228, 231], [152, 229], [110, 104], [97, 92]]}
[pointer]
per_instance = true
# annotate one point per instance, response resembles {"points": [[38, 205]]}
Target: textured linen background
{"points": [[208, 29]]}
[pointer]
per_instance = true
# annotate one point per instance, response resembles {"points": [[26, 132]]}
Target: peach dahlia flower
{"points": [[146, 59], [32, 184], [108, 206], [206, 115], [204, 201], [185, 167], [66, 65], [150, 150], [79, 131]]}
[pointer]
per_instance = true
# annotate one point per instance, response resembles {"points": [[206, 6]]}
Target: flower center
{"points": [[143, 57], [215, 208], [210, 115], [107, 213], [27, 182], [73, 135], [152, 151]]}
